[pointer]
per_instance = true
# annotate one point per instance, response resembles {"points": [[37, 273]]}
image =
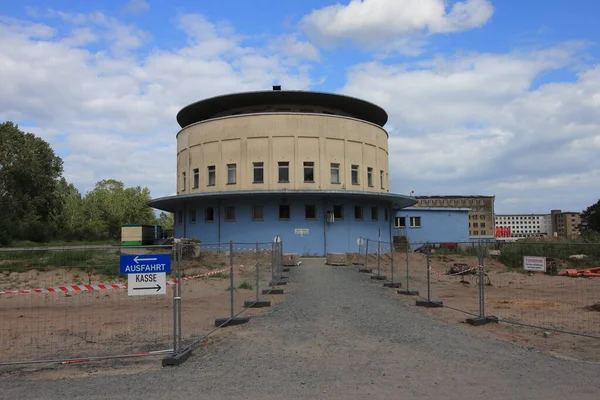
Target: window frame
{"points": [[289, 212], [314, 211], [341, 213], [232, 167], [358, 213], [212, 171], [355, 173], [310, 167], [335, 167], [415, 222], [400, 222], [258, 166], [227, 217], [183, 181], [262, 211], [212, 214], [192, 216], [283, 166], [374, 213], [370, 176], [196, 172], [381, 178]]}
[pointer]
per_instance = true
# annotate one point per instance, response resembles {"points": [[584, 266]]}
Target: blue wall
{"points": [[339, 237], [438, 225]]}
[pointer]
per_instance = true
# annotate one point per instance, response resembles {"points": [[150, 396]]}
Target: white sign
{"points": [[534, 263], [301, 232], [143, 284], [494, 252], [360, 241]]}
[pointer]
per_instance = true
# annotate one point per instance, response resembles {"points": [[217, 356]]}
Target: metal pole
{"points": [[179, 291], [378, 256], [231, 282], [257, 272], [272, 262], [392, 260], [407, 264], [481, 283], [428, 275], [367, 254], [359, 249], [176, 254]]}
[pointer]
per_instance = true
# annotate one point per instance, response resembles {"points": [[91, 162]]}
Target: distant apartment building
{"points": [[565, 224], [481, 211], [519, 226]]}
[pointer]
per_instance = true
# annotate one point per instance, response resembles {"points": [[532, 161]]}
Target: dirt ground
{"points": [[552, 302], [86, 324]]}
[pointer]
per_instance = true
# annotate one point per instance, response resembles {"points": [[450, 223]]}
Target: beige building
{"points": [[481, 211], [566, 224], [283, 147]]}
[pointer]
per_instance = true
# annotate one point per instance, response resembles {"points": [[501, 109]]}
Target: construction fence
{"points": [[547, 285], [76, 304]]}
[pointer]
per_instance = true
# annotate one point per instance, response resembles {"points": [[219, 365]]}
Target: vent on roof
{"points": [[278, 87]]}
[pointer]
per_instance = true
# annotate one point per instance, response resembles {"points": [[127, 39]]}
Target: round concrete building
{"points": [[309, 167]]}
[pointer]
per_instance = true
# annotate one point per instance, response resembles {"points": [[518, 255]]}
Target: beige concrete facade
{"points": [[566, 224], [237, 142]]}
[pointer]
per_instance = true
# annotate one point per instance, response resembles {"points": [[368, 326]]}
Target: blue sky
{"points": [[485, 97]]}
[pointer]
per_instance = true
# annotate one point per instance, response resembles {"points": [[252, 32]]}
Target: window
{"points": [[196, 178], [212, 175], [415, 222], [475, 225], [180, 217], [258, 213], [284, 211], [358, 212], [482, 217], [385, 214], [231, 174], [355, 175], [193, 216], [338, 211], [310, 212], [183, 183], [474, 216], [230, 213], [259, 175], [370, 177], [400, 222], [482, 225], [335, 173], [374, 213], [209, 214], [284, 171], [309, 171], [381, 178], [475, 233], [483, 232]]}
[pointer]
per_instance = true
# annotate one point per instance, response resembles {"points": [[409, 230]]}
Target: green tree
{"points": [[112, 204], [29, 175], [166, 220], [590, 218]]}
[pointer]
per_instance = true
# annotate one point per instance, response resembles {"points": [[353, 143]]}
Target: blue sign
{"points": [[146, 263]]}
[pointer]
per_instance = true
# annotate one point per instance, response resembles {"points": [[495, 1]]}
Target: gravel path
{"points": [[340, 335]]}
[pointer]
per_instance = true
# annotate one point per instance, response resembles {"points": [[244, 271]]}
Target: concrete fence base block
{"points": [[408, 292], [339, 259], [277, 283], [430, 304], [379, 277], [478, 321], [224, 322], [286, 269], [272, 291], [174, 360], [366, 270], [290, 259], [358, 263], [392, 285], [257, 304]]}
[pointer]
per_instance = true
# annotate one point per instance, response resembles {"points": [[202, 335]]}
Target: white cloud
{"points": [[135, 6], [474, 123], [110, 112], [398, 25]]}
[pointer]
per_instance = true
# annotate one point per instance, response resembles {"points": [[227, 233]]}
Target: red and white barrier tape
{"points": [[108, 286]]}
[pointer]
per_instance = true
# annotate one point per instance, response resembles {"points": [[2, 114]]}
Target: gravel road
{"points": [[339, 335]]}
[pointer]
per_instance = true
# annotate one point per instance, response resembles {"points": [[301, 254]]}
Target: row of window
{"points": [[477, 216], [477, 224], [519, 218], [258, 213], [283, 168], [451, 202], [476, 233], [400, 222]]}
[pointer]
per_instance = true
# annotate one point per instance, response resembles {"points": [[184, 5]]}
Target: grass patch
{"points": [[60, 243], [245, 285]]}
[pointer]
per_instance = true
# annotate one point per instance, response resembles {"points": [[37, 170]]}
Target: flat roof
{"points": [[208, 108], [444, 209], [171, 203]]}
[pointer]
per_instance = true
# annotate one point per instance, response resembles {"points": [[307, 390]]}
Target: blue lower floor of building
{"points": [[309, 226]]}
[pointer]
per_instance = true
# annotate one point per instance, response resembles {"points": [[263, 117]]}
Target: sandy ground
{"points": [[552, 302], [99, 323]]}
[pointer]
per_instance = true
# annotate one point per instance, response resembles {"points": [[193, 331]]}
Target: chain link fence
{"points": [[75, 304], [547, 285]]}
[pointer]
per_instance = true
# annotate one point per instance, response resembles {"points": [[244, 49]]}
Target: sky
{"points": [[484, 96]]}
